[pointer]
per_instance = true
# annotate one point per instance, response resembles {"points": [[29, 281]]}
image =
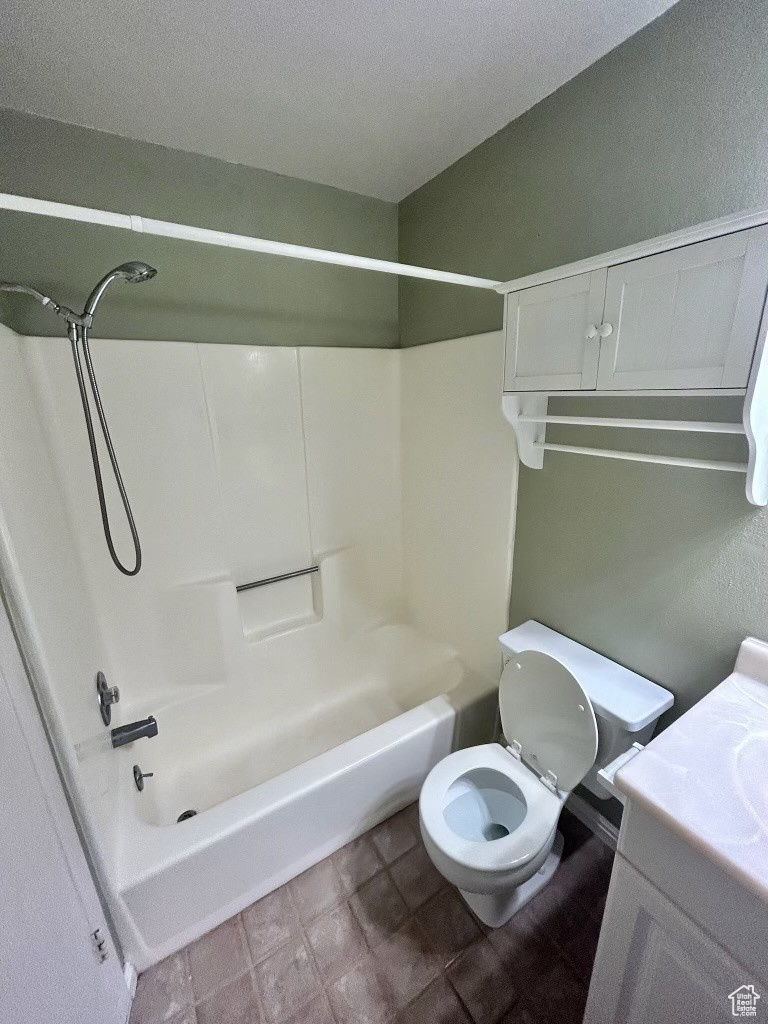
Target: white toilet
{"points": [[489, 814]]}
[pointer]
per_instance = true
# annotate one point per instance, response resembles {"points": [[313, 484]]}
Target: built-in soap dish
{"points": [[268, 610]]}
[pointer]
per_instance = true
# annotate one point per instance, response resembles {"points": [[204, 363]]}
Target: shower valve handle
{"points": [[107, 696]]}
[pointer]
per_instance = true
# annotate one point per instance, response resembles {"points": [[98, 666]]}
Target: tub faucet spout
{"points": [[134, 731]]}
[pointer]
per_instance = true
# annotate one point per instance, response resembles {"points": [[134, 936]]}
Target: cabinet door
{"points": [[655, 966], [551, 339], [687, 318]]}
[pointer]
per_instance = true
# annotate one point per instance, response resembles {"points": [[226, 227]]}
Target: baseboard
{"points": [[131, 977], [593, 819]]}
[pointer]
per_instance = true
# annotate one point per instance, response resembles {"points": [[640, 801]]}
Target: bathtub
{"points": [[273, 795]]}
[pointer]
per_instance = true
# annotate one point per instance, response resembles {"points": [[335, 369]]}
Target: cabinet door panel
{"points": [[654, 964], [547, 348], [686, 318]]}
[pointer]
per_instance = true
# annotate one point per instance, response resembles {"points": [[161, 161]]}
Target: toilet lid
{"points": [[546, 709]]}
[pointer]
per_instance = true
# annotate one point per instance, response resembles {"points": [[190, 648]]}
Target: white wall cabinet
{"points": [[552, 338], [687, 318], [684, 319]]}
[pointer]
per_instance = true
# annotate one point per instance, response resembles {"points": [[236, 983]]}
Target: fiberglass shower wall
{"points": [[242, 463]]}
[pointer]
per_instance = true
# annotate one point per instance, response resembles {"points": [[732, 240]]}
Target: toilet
{"points": [[489, 813]]}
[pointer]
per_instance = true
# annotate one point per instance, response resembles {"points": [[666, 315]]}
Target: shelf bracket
{"points": [[756, 419], [530, 433]]}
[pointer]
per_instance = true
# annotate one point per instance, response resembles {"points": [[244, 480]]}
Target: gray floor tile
{"points": [[408, 963], [448, 924], [337, 941], [316, 1012], [317, 890], [163, 992], [558, 995], [218, 957], [582, 876], [521, 1013], [416, 877], [270, 923], [523, 948], [188, 1016], [580, 947], [357, 863], [558, 915], [359, 996], [437, 1004], [482, 983], [411, 814], [286, 980], [235, 1003], [395, 836], [379, 908]]}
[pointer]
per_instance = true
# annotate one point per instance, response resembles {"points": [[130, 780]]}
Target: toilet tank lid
{"points": [[616, 693]]}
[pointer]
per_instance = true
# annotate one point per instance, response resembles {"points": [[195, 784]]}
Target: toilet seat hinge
{"points": [[550, 781], [516, 750]]}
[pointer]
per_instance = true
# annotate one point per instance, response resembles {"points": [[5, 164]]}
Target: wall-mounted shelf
{"points": [[529, 418], [682, 315]]}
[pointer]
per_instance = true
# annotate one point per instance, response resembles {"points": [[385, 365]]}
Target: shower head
{"points": [[134, 272]]}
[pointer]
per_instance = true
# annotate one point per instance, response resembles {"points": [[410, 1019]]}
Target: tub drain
{"points": [[495, 831], [184, 815]]}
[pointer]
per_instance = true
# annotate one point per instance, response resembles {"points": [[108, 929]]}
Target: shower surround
{"points": [[295, 716]]}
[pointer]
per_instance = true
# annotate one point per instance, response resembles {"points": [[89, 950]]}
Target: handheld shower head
{"points": [[77, 328], [134, 272]]}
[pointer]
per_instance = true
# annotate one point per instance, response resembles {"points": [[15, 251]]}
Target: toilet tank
{"points": [[627, 705]]}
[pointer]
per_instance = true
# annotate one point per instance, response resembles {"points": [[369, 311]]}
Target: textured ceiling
{"points": [[368, 96]]}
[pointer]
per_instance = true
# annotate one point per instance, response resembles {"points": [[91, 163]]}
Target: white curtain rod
{"points": [[184, 232]]}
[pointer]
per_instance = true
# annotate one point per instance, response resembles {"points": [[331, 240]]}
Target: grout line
{"points": [[303, 418]]}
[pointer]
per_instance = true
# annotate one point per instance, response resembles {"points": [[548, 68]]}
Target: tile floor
{"points": [[374, 934]]}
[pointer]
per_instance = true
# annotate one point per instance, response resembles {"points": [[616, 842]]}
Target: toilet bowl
{"points": [[489, 813]]}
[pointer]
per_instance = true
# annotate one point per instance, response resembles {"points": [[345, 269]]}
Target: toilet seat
{"points": [[547, 715], [523, 844]]}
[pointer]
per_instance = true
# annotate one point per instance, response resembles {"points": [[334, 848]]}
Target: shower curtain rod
{"points": [[225, 240]]}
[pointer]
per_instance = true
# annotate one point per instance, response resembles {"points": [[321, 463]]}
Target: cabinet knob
{"points": [[592, 332], [605, 330]]}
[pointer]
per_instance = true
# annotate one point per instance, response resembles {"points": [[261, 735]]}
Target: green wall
{"points": [[664, 570], [200, 293], [668, 130]]}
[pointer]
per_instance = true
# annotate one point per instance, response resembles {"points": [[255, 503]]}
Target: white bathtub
{"points": [[272, 800]]}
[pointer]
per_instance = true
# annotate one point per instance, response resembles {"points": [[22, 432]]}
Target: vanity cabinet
{"points": [[655, 965], [684, 319], [685, 931]]}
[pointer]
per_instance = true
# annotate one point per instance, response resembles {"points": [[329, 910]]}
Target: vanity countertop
{"points": [[706, 776]]}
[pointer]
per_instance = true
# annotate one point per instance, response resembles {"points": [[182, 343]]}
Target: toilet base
{"points": [[498, 909]]}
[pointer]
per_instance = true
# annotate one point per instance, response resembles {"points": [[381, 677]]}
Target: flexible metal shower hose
{"points": [[78, 336]]}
